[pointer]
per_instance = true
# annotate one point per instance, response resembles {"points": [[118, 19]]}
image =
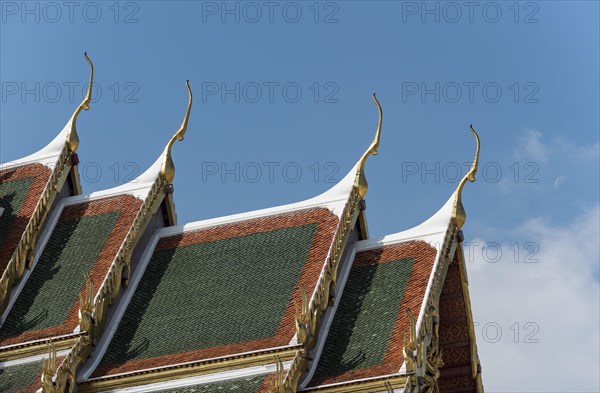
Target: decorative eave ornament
{"points": [[309, 312], [62, 168], [459, 216], [72, 137], [93, 310], [48, 367], [422, 350], [167, 170], [287, 382], [360, 182]]}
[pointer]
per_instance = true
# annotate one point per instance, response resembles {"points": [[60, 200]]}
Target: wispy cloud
{"points": [[532, 146], [546, 312]]}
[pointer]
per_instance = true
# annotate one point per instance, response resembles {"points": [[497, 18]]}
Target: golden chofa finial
{"points": [[360, 181], [49, 368], [459, 216], [72, 137], [167, 170]]}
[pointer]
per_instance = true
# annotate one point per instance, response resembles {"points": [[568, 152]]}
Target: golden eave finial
{"points": [[167, 170], [360, 181], [72, 137], [49, 368], [459, 215]]}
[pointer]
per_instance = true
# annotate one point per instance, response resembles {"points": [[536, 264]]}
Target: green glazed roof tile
{"points": [[58, 277], [12, 196], [242, 385], [365, 318], [212, 294], [19, 377]]}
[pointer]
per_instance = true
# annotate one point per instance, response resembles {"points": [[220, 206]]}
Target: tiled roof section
{"points": [[20, 191], [86, 239], [366, 336], [256, 384], [222, 290], [454, 335], [22, 378]]}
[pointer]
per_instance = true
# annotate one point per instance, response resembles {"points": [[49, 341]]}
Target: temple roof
{"points": [[234, 280], [283, 299], [84, 238], [221, 290]]}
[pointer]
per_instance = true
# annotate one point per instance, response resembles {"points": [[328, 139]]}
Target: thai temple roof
{"points": [[105, 291]]}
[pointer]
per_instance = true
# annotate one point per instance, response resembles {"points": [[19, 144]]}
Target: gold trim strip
{"points": [[170, 373], [24, 350], [370, 386]]}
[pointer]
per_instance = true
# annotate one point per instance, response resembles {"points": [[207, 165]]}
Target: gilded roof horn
{"points": [[360, 181], [72, 137], [167, 169], [459, 216]]}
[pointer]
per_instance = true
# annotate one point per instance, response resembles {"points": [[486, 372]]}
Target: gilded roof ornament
{"points": [[86, 305], [72, 137], [167, 169], [459, 216], [360, 181], [279, 383], [49, 368]]}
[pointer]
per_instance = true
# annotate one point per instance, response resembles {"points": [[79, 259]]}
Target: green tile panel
{"points": [[16, 378], [242, 385], [57, 279], [365, 319], [12, 196], [212, 294]]}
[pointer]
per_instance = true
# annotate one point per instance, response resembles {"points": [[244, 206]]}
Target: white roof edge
{"points": [[183, 364], [206, 379], [138, 187], [334, 199], [47, 155], [29, 359], [430, 231]]}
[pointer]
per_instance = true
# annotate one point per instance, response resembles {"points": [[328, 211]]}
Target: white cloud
{"points": [[554, 301], [532, 147]]}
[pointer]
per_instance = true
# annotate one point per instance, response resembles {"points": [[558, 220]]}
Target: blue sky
{"points": [[283, 108]]}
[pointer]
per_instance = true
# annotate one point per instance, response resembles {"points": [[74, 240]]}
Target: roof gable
{"points": [[365, 337], [233, 283], [85, 239]]}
